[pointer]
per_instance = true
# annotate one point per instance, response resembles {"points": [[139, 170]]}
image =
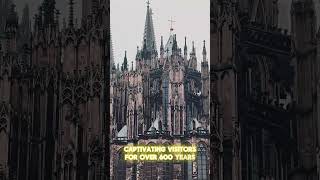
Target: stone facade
{"points": [[264, 97], [52, 94]]}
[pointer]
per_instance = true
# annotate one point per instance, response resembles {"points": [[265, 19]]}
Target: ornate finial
{"points": [[125, 61], [193, 49], [204, 51], [171, 21], [185, 45]]}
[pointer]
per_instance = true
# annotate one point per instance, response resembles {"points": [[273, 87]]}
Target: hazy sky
{"points": [[128, 19]]}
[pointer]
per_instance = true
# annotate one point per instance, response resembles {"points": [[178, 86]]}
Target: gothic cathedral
{"points": [[163, 100]]}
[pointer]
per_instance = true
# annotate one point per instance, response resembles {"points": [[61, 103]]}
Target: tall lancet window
{"points": [[96, 157], [120, 167], [150, 169], [202, 162], [68, 166]]}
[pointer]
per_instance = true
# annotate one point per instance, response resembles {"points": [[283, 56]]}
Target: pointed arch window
{"points": [[120, 167], [202, 162], [68, 166], [188, 168], [150, 170]]}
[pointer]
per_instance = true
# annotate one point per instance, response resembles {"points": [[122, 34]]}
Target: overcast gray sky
{"points": [[128, 18]]}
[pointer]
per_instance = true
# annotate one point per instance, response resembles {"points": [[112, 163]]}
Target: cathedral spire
{"points": [[193, 49], [185, 52], [161, 48], [204, 51], [149, 36], [125, 62], [25, 23]]}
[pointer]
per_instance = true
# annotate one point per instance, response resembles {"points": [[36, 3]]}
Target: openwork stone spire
{"points": [[149, 40]]}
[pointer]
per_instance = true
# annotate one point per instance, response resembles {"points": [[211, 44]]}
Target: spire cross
{"points": [[148, 3], [171, 21]]}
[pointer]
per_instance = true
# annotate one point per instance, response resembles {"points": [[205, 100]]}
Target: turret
{"points": [[125, 62], [204, 52], [149, 41], [193, 52], [131, 65], [205, 81], [161, 48], [175, 46], [204, 63], [185, 52]]}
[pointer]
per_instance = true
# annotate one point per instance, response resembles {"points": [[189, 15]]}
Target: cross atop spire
{"points": [[149, 41], [171, 21], [71, 3]]}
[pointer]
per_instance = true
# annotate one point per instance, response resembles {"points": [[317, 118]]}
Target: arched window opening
{"points": [[150, 170], [202, 162], [120, 167]]}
